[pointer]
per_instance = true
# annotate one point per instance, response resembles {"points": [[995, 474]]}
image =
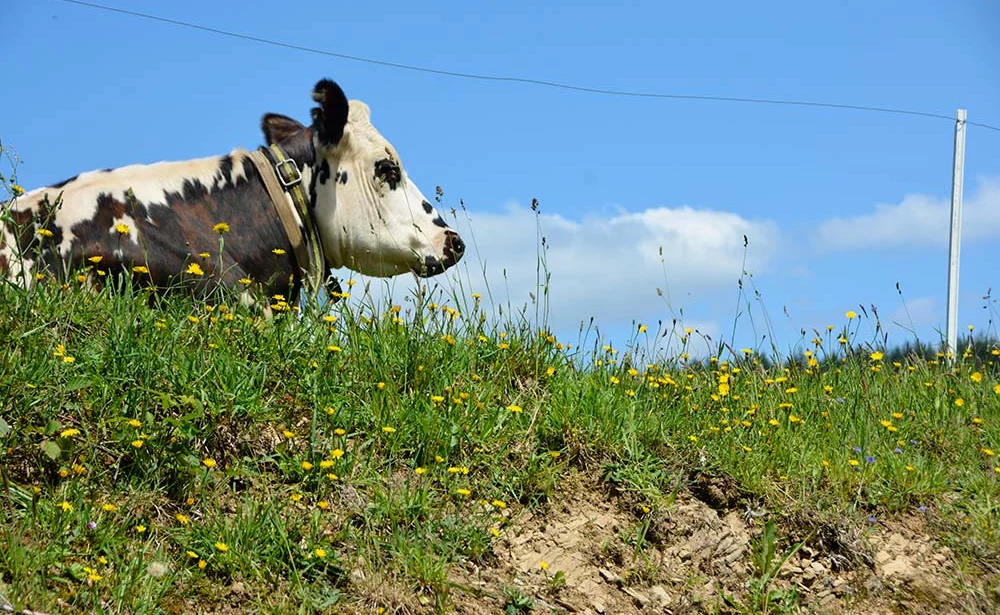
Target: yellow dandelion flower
{"points": [[876, 356], [976, 377], [140, 529], [95, 259], [332, 348], [463, 491], [851, 315], [182, 518], [137, 443], [66, 506], [278, 251], [337, 453], [69, 433], [140, 269], [209, 462], [323, 504], [320, 553], [388, 429], [221, 227], [853, 462], [420, 470], [195, 269], [221, 546], [201, 564], [122, 228], [515, 409], [959, 402], [307, 465], [44, 232], [109, 508], [68, 359]]}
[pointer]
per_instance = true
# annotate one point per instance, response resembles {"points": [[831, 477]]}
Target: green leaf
{"points": [[4, 427], [77, 384], [51, 449]]}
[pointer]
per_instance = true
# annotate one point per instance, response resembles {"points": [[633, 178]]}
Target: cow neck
{"points": [[283, 180]]}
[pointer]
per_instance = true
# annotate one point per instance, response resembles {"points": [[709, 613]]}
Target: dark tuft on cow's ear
{"points": [[330, 117], [277, 127]]}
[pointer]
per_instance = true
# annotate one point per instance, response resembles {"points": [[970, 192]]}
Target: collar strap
{"points": [[282, 177]]}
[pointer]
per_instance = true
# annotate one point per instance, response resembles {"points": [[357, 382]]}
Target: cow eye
{"points": [[388, 171]]}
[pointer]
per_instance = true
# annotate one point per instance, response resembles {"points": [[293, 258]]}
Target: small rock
{"points": [[641, 599], [238, 588], [660, 596], [611, 577], [599, 606], [789, 570]]}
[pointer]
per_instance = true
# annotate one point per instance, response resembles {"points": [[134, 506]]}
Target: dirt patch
{"points": [[589, 553]]}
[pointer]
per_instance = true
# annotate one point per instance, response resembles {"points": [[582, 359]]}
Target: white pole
{"points": [[955, 239]]}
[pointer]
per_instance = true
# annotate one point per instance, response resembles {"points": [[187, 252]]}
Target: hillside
{"points": [[173, 456]]}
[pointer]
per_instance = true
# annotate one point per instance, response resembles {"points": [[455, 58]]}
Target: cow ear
{"points": [[277, 127], [330, 117]]}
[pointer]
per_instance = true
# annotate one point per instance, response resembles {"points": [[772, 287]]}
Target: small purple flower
{"points": [[92, 525], [869, 459], [856, 449], [922, 508], [839, 400], [913, 442], [897, 450], [872, 519]]}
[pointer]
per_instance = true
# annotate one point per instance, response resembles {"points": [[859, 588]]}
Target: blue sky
{"points": [[839, 205]]}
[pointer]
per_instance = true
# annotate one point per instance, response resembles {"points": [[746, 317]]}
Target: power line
{"points": [[525, 80]]}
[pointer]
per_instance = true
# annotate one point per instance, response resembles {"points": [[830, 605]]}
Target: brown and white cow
{"points": [[153, 222]]}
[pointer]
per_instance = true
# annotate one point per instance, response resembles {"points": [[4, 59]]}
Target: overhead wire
{"points": [[522, 80]]}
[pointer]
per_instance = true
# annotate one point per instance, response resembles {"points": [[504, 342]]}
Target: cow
{"points": [[214, 222]]}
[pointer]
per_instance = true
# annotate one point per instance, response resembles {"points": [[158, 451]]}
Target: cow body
{"points": [[210, 222]]}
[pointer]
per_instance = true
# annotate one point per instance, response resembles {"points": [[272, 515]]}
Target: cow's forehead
{"points": [[365, 138]]}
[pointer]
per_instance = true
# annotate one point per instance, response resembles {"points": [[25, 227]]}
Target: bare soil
{"points": [[616, 560]]}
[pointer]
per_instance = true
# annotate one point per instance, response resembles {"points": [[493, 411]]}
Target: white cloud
{"points": [[608, 267], [917, 220], [917, 314]]}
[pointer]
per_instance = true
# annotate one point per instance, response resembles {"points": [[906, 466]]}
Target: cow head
{"points": [[371, 217]]}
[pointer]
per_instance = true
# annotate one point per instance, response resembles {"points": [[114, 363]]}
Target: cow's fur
{"points": [[153, 222]]}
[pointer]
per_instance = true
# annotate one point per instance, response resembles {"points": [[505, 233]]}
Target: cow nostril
{"points": [[454, 244]]}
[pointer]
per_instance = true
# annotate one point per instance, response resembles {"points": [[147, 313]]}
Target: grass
{"points": [[188, 456], [153, 456]]}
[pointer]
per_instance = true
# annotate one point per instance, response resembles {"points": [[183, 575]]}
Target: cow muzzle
{"points": [[454, 248]]}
